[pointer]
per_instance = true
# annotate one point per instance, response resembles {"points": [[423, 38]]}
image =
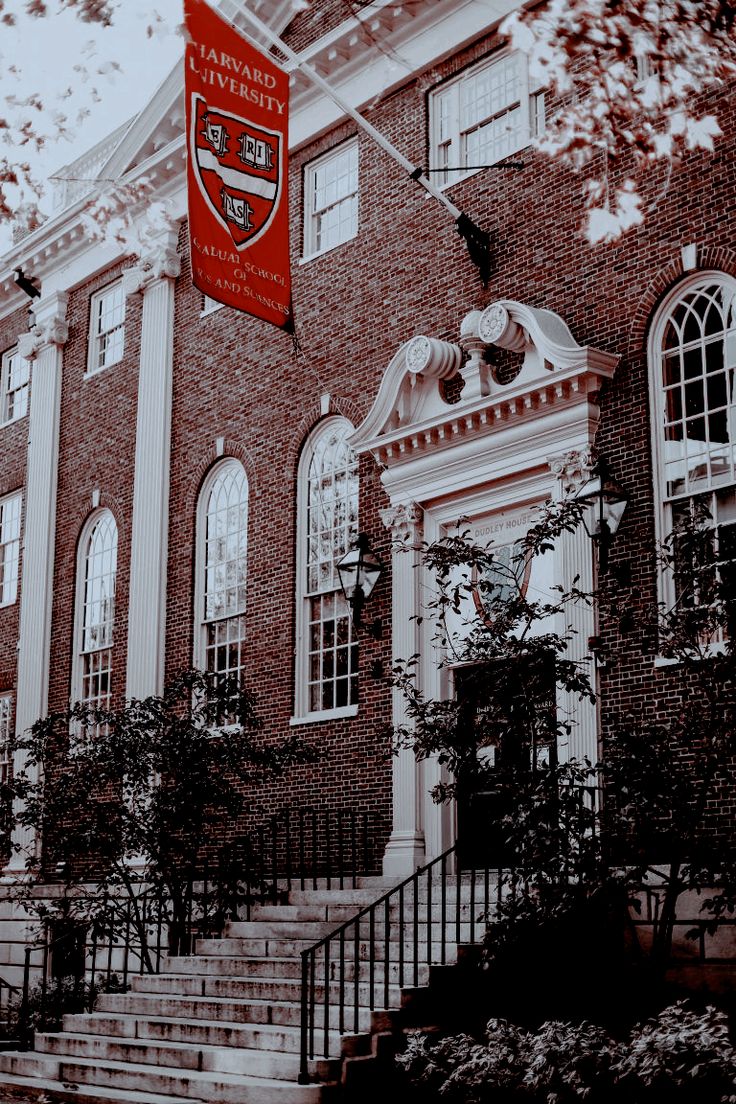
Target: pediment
{"points": [[434, 391], [159, 123]]}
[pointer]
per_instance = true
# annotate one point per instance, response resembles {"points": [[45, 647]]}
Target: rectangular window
{"points": [[331, 199], [6, 720], [9, 548], [16, 375], [482, 116], [106, 327]]}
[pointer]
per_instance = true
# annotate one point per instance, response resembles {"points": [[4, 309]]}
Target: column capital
{"points": [[157, 260], [403, 521], [572, 468], [49, 327]]}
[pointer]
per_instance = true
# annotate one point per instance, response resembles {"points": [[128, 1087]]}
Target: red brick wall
{"points": [[406, 272], [96, 452]]}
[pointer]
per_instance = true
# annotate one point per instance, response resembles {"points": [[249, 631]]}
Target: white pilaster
{"points": [[574, 566], [43, 345], [154, 277], [405, 849]]}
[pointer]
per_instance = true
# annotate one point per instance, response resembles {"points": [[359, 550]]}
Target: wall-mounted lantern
{"points": [[358, 571], [607, 501]]}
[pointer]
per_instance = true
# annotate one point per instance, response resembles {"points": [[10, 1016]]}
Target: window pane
{"points": [[332, 526], [98, 611], [9, 548], [225, 568]]}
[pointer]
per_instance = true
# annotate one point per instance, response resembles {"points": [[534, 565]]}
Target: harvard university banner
{"points": [[237, 116]]}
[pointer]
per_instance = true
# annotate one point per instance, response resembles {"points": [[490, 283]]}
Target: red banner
{"points": [[237, 119]]}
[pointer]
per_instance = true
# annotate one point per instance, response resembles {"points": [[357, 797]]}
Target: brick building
{"points": [[154, 418]]}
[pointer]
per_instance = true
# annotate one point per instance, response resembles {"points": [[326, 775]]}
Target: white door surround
{"points": [[499, 447]]}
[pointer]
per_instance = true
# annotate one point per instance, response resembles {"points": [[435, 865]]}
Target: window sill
{"points": [[212, 310], [321, 253], [325, 715], [474, 172], [711, 652], [92, 373], [12, 421]]}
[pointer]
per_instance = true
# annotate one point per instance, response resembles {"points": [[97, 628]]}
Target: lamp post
{"points": [[358, 571], [606, 501]]}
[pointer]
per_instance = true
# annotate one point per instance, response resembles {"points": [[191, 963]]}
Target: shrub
{"points": [[680, 1054]]}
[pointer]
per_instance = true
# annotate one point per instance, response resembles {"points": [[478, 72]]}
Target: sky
{"points": [[72, 67]]}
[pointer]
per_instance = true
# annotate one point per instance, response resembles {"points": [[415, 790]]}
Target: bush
{"points": [[680, 1055]]}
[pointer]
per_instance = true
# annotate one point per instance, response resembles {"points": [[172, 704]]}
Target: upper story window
{"points": [[9, 548], [106, 327], [693, 376], [16, 377], [210, 305], [482, 116], [223, 537], [331, 199], [327, 652], [96, 604]]}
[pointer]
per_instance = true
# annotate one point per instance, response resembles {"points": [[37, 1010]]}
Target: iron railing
{"points": [[130, 932], [396, 933]]}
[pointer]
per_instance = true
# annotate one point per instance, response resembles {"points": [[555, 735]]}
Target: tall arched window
{"points": [[693, 385], [98, 562], [221, 574], [327, 651]]}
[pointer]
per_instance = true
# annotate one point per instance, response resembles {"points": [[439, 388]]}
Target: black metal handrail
{"points": [[131, 931], [424, 947]]}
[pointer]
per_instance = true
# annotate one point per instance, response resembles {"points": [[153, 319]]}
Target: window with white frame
{"points": [[221, 592], [331, 199], [16, 378], [327, 652], [10, 508], [487, 113], [6, 721], [693, 378], [106, 327], [98, 563]]}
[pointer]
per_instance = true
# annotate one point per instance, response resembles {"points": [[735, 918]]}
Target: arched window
{"points": [[221, 573], [693, 385], [98, 561], [327, 651]]}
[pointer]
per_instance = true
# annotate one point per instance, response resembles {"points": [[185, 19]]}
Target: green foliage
{"points": [[141, 788], [680, 1055], [570, 855]]}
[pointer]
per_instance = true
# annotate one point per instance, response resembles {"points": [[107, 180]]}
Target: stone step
{"points": [[274, 1064], [278, 967], [304, 931], [281, 1037], [273, 989], [211, 1008], [215, 1088], [292, 948], [41, 1088], [336, 914]]}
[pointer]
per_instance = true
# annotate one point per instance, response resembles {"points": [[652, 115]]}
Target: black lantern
{"points": [[606, 501], [358, 571]]}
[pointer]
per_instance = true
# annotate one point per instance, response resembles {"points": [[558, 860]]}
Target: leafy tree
{"points": [[579, 840], [627, 81], [132, 796]]}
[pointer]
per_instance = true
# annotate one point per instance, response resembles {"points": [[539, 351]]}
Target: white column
{"points": [[43, 345], [405, 849], [154, 278], [574, 565]]}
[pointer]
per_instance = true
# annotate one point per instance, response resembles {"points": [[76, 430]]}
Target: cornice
{"points": [[362, 56]]}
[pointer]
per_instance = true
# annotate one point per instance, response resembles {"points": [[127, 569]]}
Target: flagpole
{"points": [[477, 240]]}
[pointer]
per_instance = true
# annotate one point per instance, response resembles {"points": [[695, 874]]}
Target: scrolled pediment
{"points": [[413, 410]]}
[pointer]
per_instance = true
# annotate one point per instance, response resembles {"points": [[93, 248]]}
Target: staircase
{"points": [[222, 1026]]}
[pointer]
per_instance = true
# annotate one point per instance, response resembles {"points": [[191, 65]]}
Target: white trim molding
{"points": [[476, 456], [43, 345], [154, 277]]}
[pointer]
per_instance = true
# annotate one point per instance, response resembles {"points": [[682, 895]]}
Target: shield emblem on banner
{"points": [[238, 167]]}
